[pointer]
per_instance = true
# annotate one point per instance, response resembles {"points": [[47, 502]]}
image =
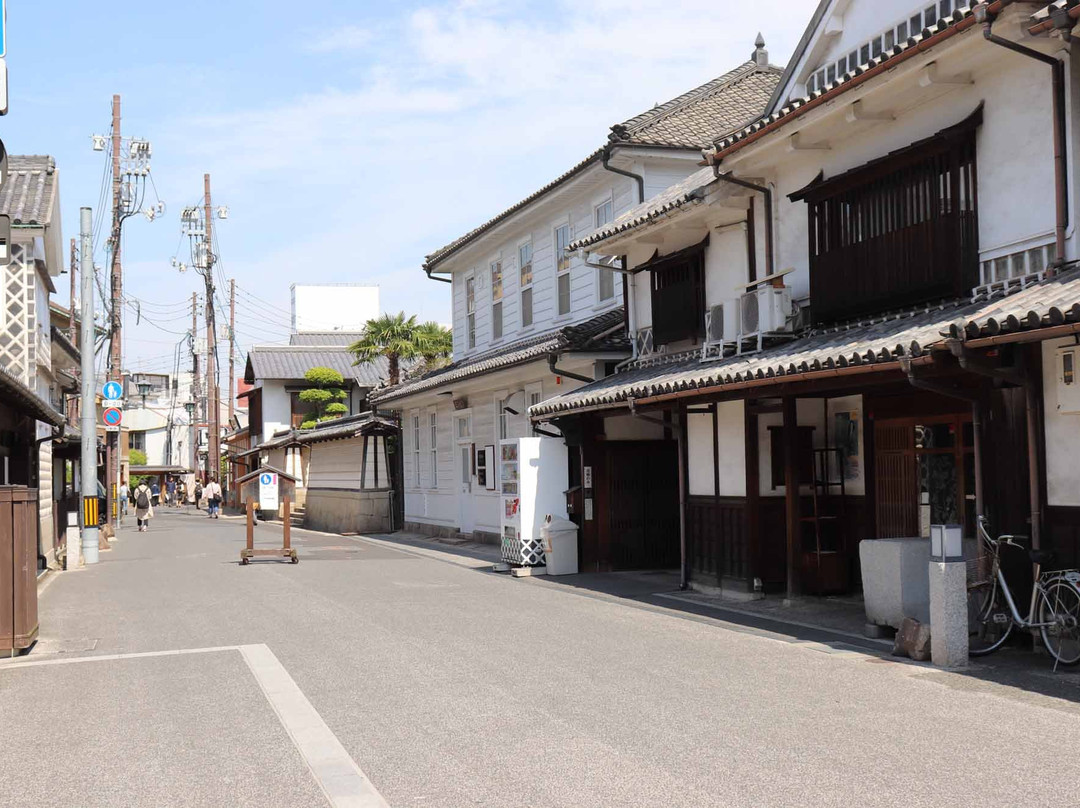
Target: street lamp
{"points": [[144, 388], [189, 407]]}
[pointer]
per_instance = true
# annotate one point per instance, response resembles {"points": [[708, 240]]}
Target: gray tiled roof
{"points": [[350, 427], [1058, 5], [697, 118], [25, 401], [690, 190], [29, 193], [796, 107], [325, 338], [291, 362], [912, 334], [692, 121], [591, 335]]}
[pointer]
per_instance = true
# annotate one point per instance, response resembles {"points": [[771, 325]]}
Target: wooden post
{"points": [[791, 491], [250, 524], [753, 494], [681, 437], [288, 526]]}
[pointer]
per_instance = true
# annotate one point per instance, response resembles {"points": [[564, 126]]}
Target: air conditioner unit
{"points": [[714, 323], [764, 310]]}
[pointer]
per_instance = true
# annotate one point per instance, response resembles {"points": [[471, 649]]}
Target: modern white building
{"points": [[333, 306], [531, 319]]}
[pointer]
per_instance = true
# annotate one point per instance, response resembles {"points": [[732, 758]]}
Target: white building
{"points": [[531, 319], [31, 198], [333, 306], [864, 286]]}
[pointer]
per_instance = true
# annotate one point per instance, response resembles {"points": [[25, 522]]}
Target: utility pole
{"points": [[232, 347], [195, 394], [213, 455], [72, 333], [88, 465], [115, 366]]}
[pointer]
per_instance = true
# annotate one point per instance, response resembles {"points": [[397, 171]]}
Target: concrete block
{"points": [[948, 614]]}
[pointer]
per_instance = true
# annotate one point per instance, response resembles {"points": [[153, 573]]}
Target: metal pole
{"points": [[72, 327], [195, 383], [88, 466]]}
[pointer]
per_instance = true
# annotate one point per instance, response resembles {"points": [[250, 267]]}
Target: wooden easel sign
{"points": [[284, 552]]}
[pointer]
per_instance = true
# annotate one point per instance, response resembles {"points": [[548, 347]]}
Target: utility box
{"points": [[18, 567]]}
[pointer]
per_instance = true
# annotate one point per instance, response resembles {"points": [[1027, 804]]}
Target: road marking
{"points": [[33, 663], [341, 780]]}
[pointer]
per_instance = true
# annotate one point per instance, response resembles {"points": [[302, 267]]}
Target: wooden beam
{"points": [[796, 143], [857, 112], [930, 75], [791, 494], [753, 491]]}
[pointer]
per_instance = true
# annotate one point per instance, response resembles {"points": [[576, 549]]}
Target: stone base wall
{"points": [[343, 511], [444, 532]]}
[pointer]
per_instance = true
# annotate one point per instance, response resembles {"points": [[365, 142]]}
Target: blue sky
{"points": [[348, 139]]}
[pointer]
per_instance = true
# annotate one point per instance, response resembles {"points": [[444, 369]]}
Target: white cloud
{"points": [[450, 114], [346, 38]]}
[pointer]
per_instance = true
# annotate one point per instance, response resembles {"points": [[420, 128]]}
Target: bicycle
{"points": [[992, 611]]}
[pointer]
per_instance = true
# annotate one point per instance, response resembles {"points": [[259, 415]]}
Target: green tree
{"points": [[137, 457], [392, 336], [325, 395], [436, 344]]}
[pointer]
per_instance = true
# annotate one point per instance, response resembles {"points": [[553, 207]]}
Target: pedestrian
{"points": [[124, 493], [181, 494], [144, 505], [213, 498], [155, 493], [170, 492], [198, 493]]}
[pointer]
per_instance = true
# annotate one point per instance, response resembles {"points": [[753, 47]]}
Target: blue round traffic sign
{"points": [[112, 391], [266, 479], [112, 416]]}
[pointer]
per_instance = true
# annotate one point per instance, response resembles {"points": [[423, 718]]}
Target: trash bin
{"points": [[560, 546]]}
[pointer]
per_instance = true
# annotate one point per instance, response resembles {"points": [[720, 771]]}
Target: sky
{"points": [[347, 138]]}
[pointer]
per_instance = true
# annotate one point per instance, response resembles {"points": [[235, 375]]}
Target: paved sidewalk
{"points": [[439, 683]]}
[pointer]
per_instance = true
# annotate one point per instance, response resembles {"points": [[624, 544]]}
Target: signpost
{"points": [[112, 416], [112, 391], [268, 491]]}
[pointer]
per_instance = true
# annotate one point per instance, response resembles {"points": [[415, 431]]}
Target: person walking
{"points": [[144, 505], [155, 493], [198, 493], [125, 492], [181, 494], [213, 498], [170, 492]]}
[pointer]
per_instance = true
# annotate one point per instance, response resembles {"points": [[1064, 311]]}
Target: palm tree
{"points": [[436, 344], [392, 336]]}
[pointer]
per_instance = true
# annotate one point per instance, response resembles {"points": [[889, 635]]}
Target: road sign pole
{"points": [[88, 466]]}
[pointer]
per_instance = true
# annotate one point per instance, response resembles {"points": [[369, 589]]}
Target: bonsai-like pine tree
{"points": [[325, 394]]}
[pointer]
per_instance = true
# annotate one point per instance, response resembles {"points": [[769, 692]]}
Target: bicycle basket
{"points": [[979, 570]]}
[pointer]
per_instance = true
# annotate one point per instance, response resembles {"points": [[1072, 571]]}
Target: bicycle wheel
{"points": [[989, 619], [1061, 610]]}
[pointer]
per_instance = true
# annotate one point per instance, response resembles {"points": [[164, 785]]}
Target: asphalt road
{"points": [[449, 685]]}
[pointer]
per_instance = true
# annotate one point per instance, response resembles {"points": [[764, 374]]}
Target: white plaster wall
{"points": [[1062, 432], [627, 427], [336, 464], [277, 409], [731, 444]]}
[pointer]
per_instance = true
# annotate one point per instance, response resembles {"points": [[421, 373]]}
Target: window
{"points": [[605, 278], [416, 447], [496, 300], [433, 425], [1027, 263], [502, 430], [1068, 368], [138, 441], [470, 311], [525, 272], [678, 296], [898, 232], [562, 267]]}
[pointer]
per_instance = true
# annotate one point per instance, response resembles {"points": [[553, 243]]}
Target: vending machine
{"points": [[533, 478]]}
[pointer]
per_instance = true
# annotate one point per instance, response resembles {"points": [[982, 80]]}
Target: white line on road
{"points": [[33, 663], [341, 780]]}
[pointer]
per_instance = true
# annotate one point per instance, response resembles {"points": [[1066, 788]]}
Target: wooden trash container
{"points": [[18, 567]]}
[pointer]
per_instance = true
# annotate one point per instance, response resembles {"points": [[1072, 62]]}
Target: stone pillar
{"points": [[948, 614]]}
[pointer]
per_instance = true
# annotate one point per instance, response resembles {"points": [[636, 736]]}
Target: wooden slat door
{"points": [[644, 504], [897, 482]]}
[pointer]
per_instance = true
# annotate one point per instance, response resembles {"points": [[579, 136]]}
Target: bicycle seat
{"points": [[1041, 557]]}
